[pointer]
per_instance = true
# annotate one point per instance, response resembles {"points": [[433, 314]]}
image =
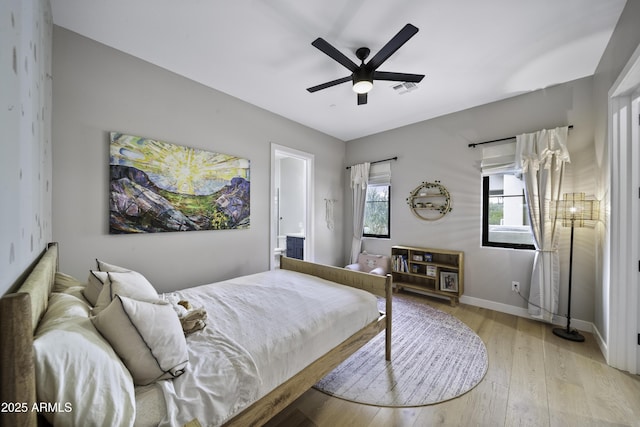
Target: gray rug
{"points": [[434, 358]]}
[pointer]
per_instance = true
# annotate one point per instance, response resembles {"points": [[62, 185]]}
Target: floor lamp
{"points": [[574, 210]]}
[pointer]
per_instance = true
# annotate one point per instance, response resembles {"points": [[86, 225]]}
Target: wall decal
{"points": [[157, 186]]}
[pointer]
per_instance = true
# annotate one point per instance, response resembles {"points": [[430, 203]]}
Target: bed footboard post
{"points": [[17, 377], [389, 296]]}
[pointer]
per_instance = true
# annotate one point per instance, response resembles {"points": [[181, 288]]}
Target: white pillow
{"points": [[103, 266], [147, 335], [63, 307], [94, 285], [69, 285], [77, 368], [64, 281], [98, 278], [129, 284]]}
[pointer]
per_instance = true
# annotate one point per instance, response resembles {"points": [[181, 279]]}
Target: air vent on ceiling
{"points": [[405, 87]]}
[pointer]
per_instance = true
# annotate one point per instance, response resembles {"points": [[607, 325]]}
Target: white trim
{"points": [[635, 214], [621, 277], [604, 348], [581, 325], [281, 150], [629, 77]]}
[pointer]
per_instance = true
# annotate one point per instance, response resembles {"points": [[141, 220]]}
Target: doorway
{"points": [[291, 204], [624, 227]]}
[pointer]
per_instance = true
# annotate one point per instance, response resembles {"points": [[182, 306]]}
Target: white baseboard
{"points": [[581, 325], [604, 348]]}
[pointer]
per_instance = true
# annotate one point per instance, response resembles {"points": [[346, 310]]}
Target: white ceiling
{"points": [[472, 52]]}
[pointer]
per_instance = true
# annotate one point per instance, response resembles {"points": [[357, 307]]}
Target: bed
{"points": [[24, 312]]}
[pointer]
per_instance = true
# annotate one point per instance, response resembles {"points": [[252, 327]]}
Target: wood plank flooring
{"points": [[534, 379]]}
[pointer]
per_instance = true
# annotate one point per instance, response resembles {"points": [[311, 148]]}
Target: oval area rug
{"points": [[434, 357]]}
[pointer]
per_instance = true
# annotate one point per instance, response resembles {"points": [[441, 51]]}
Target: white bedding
{"points": [[261, 330]]}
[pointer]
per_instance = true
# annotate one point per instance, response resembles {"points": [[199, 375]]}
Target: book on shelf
{"points": [[431, 271], [400, 263]]}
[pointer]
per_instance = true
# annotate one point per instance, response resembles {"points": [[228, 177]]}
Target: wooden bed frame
{"points": [[21, 311]]}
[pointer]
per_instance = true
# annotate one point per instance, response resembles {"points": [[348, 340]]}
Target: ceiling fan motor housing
{"points": [[362, 79]]}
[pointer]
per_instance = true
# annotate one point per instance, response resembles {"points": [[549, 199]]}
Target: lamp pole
{"points": [[567, 333]]}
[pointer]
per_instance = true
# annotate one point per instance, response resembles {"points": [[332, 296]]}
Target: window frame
{"points": [[485, 223], [380, 236]]}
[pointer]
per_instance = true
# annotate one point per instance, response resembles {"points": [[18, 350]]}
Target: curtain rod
{"points": [[380, 161], [498, 140]]}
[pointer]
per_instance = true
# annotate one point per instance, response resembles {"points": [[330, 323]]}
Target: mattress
{"points": [[261, 330]]}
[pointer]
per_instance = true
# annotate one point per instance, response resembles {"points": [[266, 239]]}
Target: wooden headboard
{"points": [[20, 313]]}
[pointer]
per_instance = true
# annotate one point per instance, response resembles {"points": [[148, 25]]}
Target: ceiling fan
{"points": [[363, 75]]}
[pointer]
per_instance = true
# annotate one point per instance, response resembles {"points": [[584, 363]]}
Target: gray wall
{"points": [[97, 89], [624, 40], [437, 149], [25, 122]]}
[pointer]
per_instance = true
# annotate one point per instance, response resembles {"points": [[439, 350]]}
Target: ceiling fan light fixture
{"points": [[362, 80], [362, 86]]}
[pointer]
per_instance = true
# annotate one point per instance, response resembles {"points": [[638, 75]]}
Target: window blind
{"points": [[499, 159], [380, 173]]}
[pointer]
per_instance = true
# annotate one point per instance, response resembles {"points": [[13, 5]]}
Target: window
{"points": [[377, 207], [505, 217], [377, 211]]}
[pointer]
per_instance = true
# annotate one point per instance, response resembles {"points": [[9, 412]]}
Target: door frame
{"points": [[623, 227], [283, 151]]}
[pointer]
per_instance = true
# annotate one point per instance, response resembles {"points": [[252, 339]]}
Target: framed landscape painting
{"points": [[157, 186]]}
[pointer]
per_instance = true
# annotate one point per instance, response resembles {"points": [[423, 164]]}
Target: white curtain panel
{"points": [[359, 181], [541, 156]]}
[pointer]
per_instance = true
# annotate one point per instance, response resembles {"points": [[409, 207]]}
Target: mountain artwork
{"points": [[157, 186]]}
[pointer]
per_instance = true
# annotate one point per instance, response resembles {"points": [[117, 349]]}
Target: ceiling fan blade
{"points": [[397, 77], [394, 44], [334, 53], [362, 98], [329, 84]]}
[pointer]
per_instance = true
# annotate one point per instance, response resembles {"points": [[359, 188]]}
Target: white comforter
{"points": [[261, 330]]}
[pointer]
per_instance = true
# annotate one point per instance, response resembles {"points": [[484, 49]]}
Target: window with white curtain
{"points": [[377, 210], [505, 216]]}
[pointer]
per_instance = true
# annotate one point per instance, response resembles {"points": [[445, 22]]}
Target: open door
{"points": [[291, 225]]}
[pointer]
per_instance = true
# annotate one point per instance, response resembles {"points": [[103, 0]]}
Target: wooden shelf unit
{"points": [[430, 201], [435, 271]]}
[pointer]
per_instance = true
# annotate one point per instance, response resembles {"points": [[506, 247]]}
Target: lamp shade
{"points": [[574, 207]]}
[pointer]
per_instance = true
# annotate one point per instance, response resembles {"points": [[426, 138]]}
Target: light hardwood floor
{"points": [[534, 379]]}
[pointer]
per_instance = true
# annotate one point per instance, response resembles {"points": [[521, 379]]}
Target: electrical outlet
{"points": [[515, 286]]}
